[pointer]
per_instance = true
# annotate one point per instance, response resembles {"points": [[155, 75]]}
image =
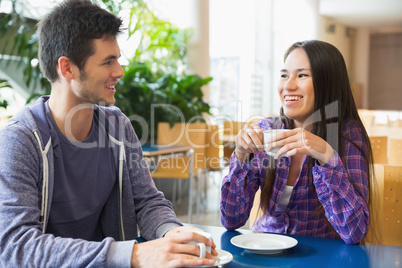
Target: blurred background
{"points": [[241, 45], [217, 59]]}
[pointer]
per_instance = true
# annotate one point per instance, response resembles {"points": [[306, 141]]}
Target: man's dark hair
{"points": [[69, 30]]}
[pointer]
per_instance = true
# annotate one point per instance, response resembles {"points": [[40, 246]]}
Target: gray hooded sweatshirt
{"points": [[26, 188]]}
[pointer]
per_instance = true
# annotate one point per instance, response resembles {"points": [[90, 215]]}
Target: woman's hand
{"points": [[249, 140], [172, 250], [301, 141]]}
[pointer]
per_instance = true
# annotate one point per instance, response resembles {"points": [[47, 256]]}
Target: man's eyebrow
{"points": [[111, 57]]}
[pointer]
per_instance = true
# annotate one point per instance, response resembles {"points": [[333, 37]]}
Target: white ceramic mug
{"points": [[268, 135], [203, 249]]}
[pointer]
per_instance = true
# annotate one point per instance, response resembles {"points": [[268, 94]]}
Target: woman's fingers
{"points": [[288, 139], [296, 141], [256, 135], [288, 147], [289, 143], [249, 140], [301, 141], [244, 142]]}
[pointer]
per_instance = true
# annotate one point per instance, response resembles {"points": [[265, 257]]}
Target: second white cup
{"points": [[203, 249], [268, 135]]}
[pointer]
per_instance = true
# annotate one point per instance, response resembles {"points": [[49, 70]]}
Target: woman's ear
{"points": [[65, 68]]}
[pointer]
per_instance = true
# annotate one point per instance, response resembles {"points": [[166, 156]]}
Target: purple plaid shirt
{"points": [[344, 207]]}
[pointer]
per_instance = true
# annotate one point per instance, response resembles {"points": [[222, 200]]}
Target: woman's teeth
{"points": [[292, 98]]}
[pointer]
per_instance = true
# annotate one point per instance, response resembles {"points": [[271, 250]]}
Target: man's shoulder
{"points": [[23, 119], [32, 115], [19, 128]]}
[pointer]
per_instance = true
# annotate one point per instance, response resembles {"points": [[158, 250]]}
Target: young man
{"points": [[73, 183]]}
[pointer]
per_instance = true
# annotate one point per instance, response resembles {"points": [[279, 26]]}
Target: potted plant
{"points": [[149, 99], [153, 88]]}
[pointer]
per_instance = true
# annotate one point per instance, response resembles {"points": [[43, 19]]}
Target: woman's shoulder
{"points": [[354, 130], [352, 127]]}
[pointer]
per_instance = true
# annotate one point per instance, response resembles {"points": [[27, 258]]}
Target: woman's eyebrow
{"points": [[303, 69], [297, 70]]}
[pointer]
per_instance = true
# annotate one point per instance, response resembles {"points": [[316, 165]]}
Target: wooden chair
{"points": [[379, 145], [213, 150], [230, 131], [178, 167], [395, 152], [392, 218], [213, 161]]}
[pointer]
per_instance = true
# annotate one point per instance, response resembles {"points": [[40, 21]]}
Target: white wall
{"points": [[354, 44], [359, 71], [335, 33], [190, 14], [294, 20]]}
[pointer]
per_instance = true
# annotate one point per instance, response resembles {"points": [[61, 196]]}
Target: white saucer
{"points": [[264, 244], [223, 258]]}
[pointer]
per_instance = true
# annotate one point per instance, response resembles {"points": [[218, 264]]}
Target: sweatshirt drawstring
{"points": [[45, 182], [121, 162]]}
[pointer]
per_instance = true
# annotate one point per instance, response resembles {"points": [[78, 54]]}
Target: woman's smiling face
{"points": [[295, 87]]}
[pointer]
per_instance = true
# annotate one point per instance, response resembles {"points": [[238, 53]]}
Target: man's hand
{"points": [[172, 250]]}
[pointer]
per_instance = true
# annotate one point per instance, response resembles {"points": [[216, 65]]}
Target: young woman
{"points": [[321, 186]]}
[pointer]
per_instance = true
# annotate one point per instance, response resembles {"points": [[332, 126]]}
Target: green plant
{"points": [[3, 84], [148, 99], [24, 45], [153, 88], [161, 45]]}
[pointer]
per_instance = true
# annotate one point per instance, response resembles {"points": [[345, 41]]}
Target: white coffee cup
{"points": [[268, 135], [203, 249]]}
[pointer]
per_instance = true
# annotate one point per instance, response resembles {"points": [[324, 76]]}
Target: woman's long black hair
{"points": [[333, 105]]}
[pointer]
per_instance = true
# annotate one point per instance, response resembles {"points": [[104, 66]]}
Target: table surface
{"points": [[309, 252]]}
